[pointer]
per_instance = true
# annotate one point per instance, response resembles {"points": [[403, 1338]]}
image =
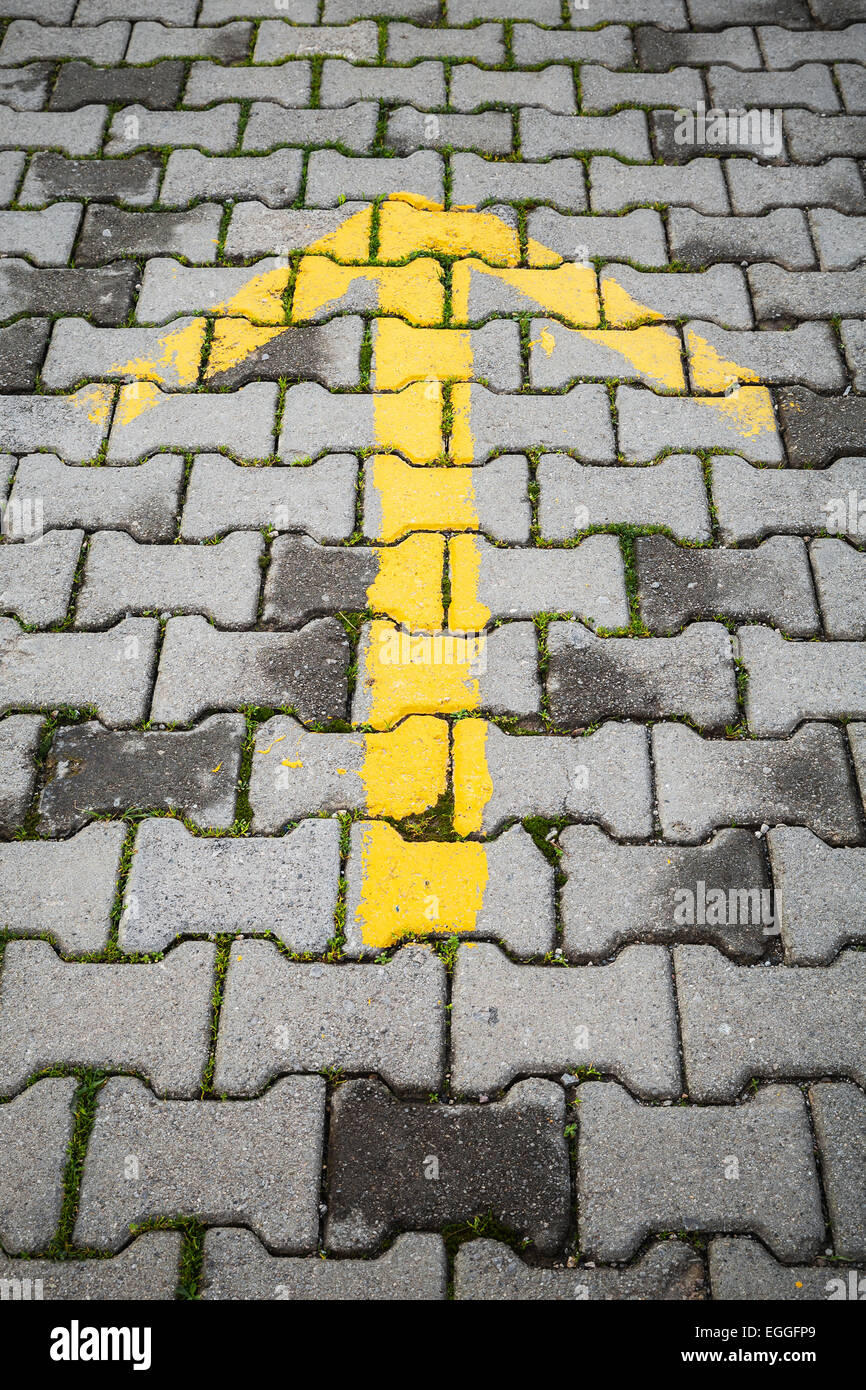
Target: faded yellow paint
{"points": [[569, 291], [620, 310], [465, 612], [415, 291], [408, 586], [422, 499], [415, 673], [654, 352], [709, 370], [539, 255], [461, 446], [402, 354], [405, 230], [350, 241], [415, 889], [176, 360], [261, 298], [405, 771], [410, 421], [749, 410], [473, 785], [135, 398], [96, 400], [233, 340]]}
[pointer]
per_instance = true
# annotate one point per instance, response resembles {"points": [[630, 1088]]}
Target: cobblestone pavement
{"points": [[432, 649]]}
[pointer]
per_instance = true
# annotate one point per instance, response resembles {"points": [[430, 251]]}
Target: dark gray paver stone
{"points": [[237, 1266], [743, 1021], [487, 1270], [278, 1016], [393, 1165], [92, 771], [747, 1168], [79, 84], [35, 1130], [617, 893], [104, 296], [64, 889], [771, 583], [153, 1019], [781, 235], [22, 349], [255, 1162], [839, 1113], [325, 352], [109, 231], [820, 429], [820, 894], [51, 175]]}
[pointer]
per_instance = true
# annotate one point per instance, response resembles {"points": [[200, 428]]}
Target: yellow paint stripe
{"points": [[461, 446], [569, 291], [422, 499], [710, 371], [176, 360], [749, 410], [350, 241], [415, 291], [402, 354], [473, 786], [260, 299], [405, 230], [408, 587], [233, 340], [410, 421], [465, 612], [414, 673], [654, 352], [415, 889], [620, 310], [405, 771]]}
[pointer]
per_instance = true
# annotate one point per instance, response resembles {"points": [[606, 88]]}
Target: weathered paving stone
{"points": [[74, 425], [254, 229], [288, 85], [141, 500], [241, 421], [603, 90], [342, 82], [329, 353], [278, 1016], [19, 740], [393, 1165], [491, 498], [784, 49], [169, 289], [228, 42], [771, 583], [181, 885], [79, 84], [658, 50], [591, 678], [631, 296], [839, 1114], [403, 354], [552, 87], [813, 88], [94, 771], [610, 45], [221, 581], [839, 239], [742, 1270], [409, 129], [792, 681], [237, 1266], [109, 231], [202, 668], [108, 671], [46, 238], [35, 1130], [579, 419], [616, 894], [480, 291], [840, 577], [638, 236], [643, 1169], [490, 582], [332, 178], [557, 181], [317, 421], [496, 672], [781, 235], [559, 355], [11, 167], [807, 354], [699, 184], [789, 295], [273, 178], [820, 895], [409, 41], [271, 125], [36, 580], [50, 175], [22, 348], [148, 1270], [294, 773], [104, 295], [745, 422], [705, 783], [307, 580], [64, 889], [755, 502], [171, 11], [224, 496], [135, 128], [757, 187], [819, 429], [26, 88], [743, 1021], [603, 777], [125, 353], [338, 11], [705, 13], [277, 40], [508, 1020], [486, 1270], [857, 739], [853, 334], [812, 139], [153, 1019], [255, 1162], [80, 133], [852, 85], [501, 891], [101, 43], [670, 494]]}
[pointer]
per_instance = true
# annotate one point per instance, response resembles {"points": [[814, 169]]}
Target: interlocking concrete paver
{"points": [[699, 184], [105, 295], [838, 238], [224, 496], [808, 354], [64, 889], [189, 175], [631, 296], [80, 84], [756, 188], [745, 421], [557, 181], [276, 39], [19, 741], [150, 40], [409, 129], [109, 671], [533, 45], [36, 580], [77, 133], [741, 1269], [143, 500], [820, 894], [271, 125], [288, 84], [46, 238], [35, 1129], [635, 236], [784, 294], [792, 681], [671, 494], [22, 349], [819, 429], [755, 502], [839, 1112], [148, 418], [840, 572], [781, 235], [134, 180], [488, 1270], [147, 1270], [489, 582], [237, 1266], [108, 232], [472, 88], [74, 426]]}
